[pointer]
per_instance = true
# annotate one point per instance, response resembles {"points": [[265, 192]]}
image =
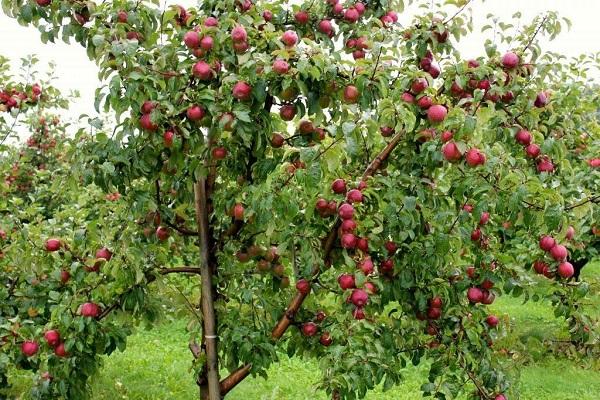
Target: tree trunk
{"points": [[208, 310]]}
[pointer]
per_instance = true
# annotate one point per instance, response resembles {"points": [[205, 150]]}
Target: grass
{"points": [[156, 365]]}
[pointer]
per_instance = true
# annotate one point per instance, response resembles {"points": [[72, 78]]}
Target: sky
{"points": [[75, 71]]}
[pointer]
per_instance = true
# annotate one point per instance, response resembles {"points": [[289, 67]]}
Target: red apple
{"points": [[326, 339], [192, 39], [277, 140], [351, 94], [349, 241], [238, 34], [242, 91], [195, 113], [532, 150], [523, 137], [359, 297], [339, 186], [309, 329], [510, 60], [303, 286], [168, 138], [89, 310], [287, 112], [492, 321], [60, 351], [358, 313], [559, 252], [547, 243], [302, 17], [147, 124], [202, 71], [348, 226], [162, 233], [565, 270], [289, 38], [570, 234], [52, 337], [29, 348], [219, 153], [363, 244], [435, 302], [485, 217], [419, 85], [52, 244], [451, 152], [437, 113], [366, 266], [474, 157], [281, 67], [475, 295], [346, 281], [545, 165], [354, 196]]}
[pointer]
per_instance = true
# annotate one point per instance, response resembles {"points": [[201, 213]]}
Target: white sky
{"points": [[75, 71]]}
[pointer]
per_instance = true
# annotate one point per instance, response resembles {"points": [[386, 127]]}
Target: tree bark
{"points": [[209, 331]]}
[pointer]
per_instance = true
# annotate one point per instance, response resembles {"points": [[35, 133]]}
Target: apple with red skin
{"points": [[547, 243], [239, 34], [351, 15], [162, 233], [570, 234], [387, 266], [436, 302], [309, 329], [391, 247], [60, 351], [359, 298], [242, 91], [195, 113], [425, 102], [148, 106], [325, 27], [408, 97], [320, 316], [358, 313], [52, 337], [475, 295], [207, 43], [202, 71], [238, 212], [351, 94], [532, 150], [545, 165], [346, 281], [594, 163], [281, 67], [451, 152], [349, 241], [192, 39], [434, 313], [302, 17], [122, 16], [488, 297], [346, 211], [287, 112], [386, 131], [565, 270], [541, 100], [64, 276], [492, 321], [339, 186], [211, 22], [510, 60], [540, 267], [559, 252], [437, 113], [29, 348], [52, 244], [267, 15], [354, 196], [500, 397], [363, 244], [277, 140], [485, 217], [289, 38], [219, 153], [168, 137], [366, 266], [325, 339], [523, 137], [474, 157], [446, 136], [419, 85], [89, 310], [470, 271], [306, 127], [370, 287], [147, 124], [348, 226], [476, 235], [303, 286]]}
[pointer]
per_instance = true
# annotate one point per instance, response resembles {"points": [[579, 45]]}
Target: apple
{"points": [[306, 127], [594, 162], [570, 234], [277, 140], [219, 153], [168, 138], [532, 150], [338, 9], [349, 241], [354, 196], [326, 27], [547, 243], [492, 321], [370, 288], [287, 112], [64, 276], [358, 313], [485, 217], [541, 100], [437, 113], [89, 310], [476, 235], [360, 7], [162, 233], [238, 212], [320, 316], [289, 38], [348, 226], [52, 244], [434, 70], [386, 131], [359, 297], [238, 34], [302, 17], [366, 266], [351, 15], [281, 67], [446, 136], [351, 94], [339, 186], [195, 113], [451, 152], [419, 85], [540, 267], [346, 211], [387, 266], [559, 252], [391, 247], [408, 97], [510, 60], [475, 295], [303, 286], [122, 17], [60, 351], [202, 71], [545, 165], [523, 137], [147, 124], [425, 102], [363, 244], [309, 329], [473, 63], [346, 281], [242, 91], [267, 15], [211, 22], [192, 39], [435, 302], [500, 397], [565, 270], [326, 339], [434, 313], [52, 337], [29, 348], [470, 271], [207, 43], [474, 157]]}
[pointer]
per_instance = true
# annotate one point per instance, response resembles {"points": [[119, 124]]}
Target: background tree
{"points": [[324, 147]]}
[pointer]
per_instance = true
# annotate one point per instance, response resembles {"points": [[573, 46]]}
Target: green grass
{"points": [[156, 365]]}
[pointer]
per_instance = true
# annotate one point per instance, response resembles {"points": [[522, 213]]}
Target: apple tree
{"points": [[331, 180]]}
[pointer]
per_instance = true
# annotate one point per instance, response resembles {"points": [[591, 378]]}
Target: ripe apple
{"points": [[492, 321], [540, 267], [446, 136], [346, 281], [570, 234], [471, 271], [211, 21], [147, 124], [565, 269], [370, 288], [363, 244], [451, 152], [476, 235], [545, 165], [485, 217], [309, 329], [289, 38], [242, 91], [162, 233], [351, 94], [148, 106], [359, 298], [219, 153], [303, 286], [287, 112], [192, 39], [419, 85], [326, 339], [475, 295], [354, 196], [351, 15], [238, 34], [547, 243], [349, 241], [386, 131], [29, 348], [195, 113], [326, 27], [52, 337], [202, 71], [366, 266], [408, 97], [348, 226], [52, 244], [387, 266], [434, 313], [500, 397], [339, 186], [60, 351], [358, 313], [425, 102], [277, 140], [64, 276], [541, 100], [238, 212], [559, 252], [510, 60], [523, 137], [302, 17], [391, 247], [474, 157], [532, 150], [437, 113], [281, 67], [89, 310], [168, 138], [435, 302]]}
